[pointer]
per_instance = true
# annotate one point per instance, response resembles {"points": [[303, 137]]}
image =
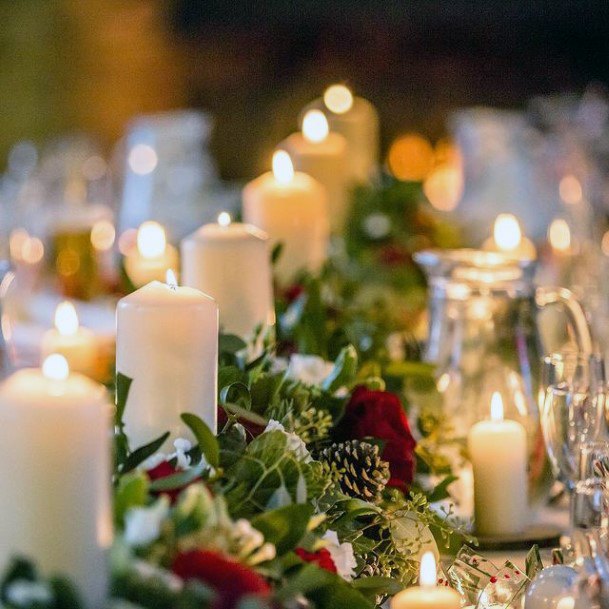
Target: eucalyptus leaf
{"points": [[236, 393], [344, 371], [231, 344], [245, 414], [284, 527], [208, 444], [140, 455], [132, 491], [123, 385]]}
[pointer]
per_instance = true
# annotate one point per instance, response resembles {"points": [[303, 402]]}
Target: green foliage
{"points": [[284, 527], [208, 444]]}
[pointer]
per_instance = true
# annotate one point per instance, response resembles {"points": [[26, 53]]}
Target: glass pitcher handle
{"points": [[577, 318]]}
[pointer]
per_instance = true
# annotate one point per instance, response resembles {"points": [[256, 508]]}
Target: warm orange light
{"points": [[559, 235], [410, 157], [17, 241], [283, 169], [32, 251], [55, 367], [443, 187], [103, 235], [66, 319], [151, 240], [496, 407], [315, 126], [338, 99]]}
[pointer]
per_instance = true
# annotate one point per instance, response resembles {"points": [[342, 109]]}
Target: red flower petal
{"points": [[322, 558]]}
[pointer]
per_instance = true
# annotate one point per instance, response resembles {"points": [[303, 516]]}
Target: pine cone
{"points": [[361, 471]]}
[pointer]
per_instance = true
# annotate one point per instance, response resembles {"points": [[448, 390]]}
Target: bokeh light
{"points": [[411, 157]]}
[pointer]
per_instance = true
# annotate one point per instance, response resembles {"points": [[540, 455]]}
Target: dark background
{"points": [[92, 65]]}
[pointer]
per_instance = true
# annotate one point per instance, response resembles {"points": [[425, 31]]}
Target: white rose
{"points": [[342, 555], [143, 524], [309, 369], [294, 441]]}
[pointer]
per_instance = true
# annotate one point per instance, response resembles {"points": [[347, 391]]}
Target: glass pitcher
{"points": [[484, 337]]}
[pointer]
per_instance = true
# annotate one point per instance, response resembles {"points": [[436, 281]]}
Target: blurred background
{"points": [[74, 66]]}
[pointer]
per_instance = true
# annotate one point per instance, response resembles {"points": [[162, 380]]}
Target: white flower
{"points": [[143, 524], [342, 555], [182, 446], [309, 369], [377, 225], [25, 593], [266, 552], [294, 441]]}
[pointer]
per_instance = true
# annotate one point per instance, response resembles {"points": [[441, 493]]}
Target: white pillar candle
{"points": [[291, 207], [498, 452], [427, 595], [231, 262], [77, 344], [55, 475], [357, 121], [323, 155], [151, 257], [167, 342]]}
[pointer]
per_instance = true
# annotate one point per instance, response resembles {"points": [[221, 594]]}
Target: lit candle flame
{"points": [[66, 319], [566, 602], [283, 170], [103, 235], [315, 126], [496, 407], [559, 235], [151, 240], [224, 219], [55, 367], [170, 279], [338, 99], [507, 232], [428, 572]]}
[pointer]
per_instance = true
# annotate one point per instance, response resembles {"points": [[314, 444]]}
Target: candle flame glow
{"points": [[170, 279], [283, 170], [559, 235], [315, 126], [338, 99], [566, 602], [66, 319], [570, 190], [224, 219], [103, 234], [151, 240], [428, 571], [507, 232], [55, 367], [496, 407]]}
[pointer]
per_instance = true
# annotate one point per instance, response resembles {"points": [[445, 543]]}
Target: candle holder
{"points": [[484, 337]]}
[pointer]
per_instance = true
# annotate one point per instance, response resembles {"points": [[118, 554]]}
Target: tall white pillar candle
{"points": [[498, 452], [291, 207], [231, 262], [68, 338], [323, 155], [167, 343], [357, 121], [427, 595], [151, 256], [55, 475]]}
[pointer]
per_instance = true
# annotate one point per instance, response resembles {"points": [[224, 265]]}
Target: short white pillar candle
{"points": [[167, 343], [55, 475], [498, 452]]}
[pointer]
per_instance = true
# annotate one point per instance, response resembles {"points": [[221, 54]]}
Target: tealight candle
{"points": [[508, 239], [427, 595], [498, 452], [357, 121], [322, 155], [231, 262], [77, 344], [55, 475], [151, 257], [291, 207], [167, 343]]}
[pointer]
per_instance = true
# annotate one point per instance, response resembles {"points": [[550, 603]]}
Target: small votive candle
{"points": [[427, 595]]}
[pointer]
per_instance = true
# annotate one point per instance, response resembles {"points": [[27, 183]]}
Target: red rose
{"points": [[293, 292], [163, 470], [321, 558], [379, 414], [229, 579]]}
